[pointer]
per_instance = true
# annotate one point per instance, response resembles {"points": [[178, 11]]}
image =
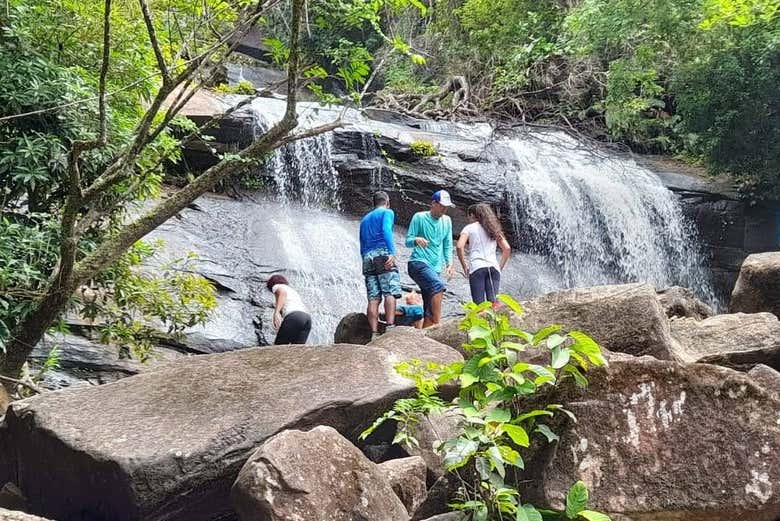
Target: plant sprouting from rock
{"points": [[502, 408]]}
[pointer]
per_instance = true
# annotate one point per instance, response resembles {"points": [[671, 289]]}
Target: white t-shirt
{"points": [[481, 248], [293, 302]]}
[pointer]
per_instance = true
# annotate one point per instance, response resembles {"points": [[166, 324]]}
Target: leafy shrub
{"points": [[244, 87], [422, 148], [497, 385]]}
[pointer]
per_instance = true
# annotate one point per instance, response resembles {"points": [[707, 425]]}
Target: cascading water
{"points": [[581, 218], [599, 219]]}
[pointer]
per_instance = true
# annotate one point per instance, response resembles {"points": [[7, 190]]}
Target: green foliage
{"points": [[128, 301], [244, 87], [501, 407], [422, 148]]}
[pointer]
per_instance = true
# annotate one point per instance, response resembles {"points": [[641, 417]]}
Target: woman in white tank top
{"points": [[292, 320], [483, 235]]}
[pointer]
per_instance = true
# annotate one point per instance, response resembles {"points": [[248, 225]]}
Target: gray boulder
{"points": [[353, 329], [168, 444], [681, 302], [407, 477], [766, 377], [737, 340], [661, 441], [12, 515], [622, 318], [313, 475], [758, 286]]}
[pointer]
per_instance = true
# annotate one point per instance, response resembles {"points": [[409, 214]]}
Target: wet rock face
{"points": [[681, 302], [313, 475], [758, 286], [660, 441]]}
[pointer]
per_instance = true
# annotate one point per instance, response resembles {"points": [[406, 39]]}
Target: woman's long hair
{"points": [[487, 218]]}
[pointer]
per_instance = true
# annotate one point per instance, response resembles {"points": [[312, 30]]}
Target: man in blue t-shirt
{"points": [[430, 237], [377, 250]]}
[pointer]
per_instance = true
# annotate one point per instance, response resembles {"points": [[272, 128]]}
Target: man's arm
{"points": [[447, 243], [387, 230], [411, 234]]}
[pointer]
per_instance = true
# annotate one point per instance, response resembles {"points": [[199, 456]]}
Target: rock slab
{"points": [[758, 285], [168, 445], [313, 475], [662, 441], [738, 340], [12, 515]]}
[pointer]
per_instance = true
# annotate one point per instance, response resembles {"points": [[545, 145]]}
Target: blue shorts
{"points": [[411, 314], [428, 280], [379, 285]]}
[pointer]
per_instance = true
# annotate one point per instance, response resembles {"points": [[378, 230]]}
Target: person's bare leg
{"points": [[435, 317], [390, 310], [373, 315], [436, 307]]}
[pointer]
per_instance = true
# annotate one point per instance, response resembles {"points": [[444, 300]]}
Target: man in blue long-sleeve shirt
{"points": [[377, 249], [430, 237]]}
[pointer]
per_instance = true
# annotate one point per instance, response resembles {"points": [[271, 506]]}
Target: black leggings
{"points": [[295, 329], [484, 284]]}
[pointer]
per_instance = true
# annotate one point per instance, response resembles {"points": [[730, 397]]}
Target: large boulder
{"points": [[167, 445], [758, 286], [313, 475], [622, 318], [661, 441], [681, 302], [407, 476], [738, 340], [12, 515]]}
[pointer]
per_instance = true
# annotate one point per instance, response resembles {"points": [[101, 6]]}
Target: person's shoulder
{"points": [[277, 287], [468, 228]]}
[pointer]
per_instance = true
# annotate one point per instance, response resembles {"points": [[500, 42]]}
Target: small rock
{"points": [[353, 329], [319, 474], [681, 302], [429, 432], [407, 477], [758, 286], [449, 516], [766, 377]]}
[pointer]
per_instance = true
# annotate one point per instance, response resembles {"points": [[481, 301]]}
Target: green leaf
{"points": [[560, 357], [528, 513], [576, 499], [555, 340], [587, 346], [511, 303], [548, 433], [497, 460], [460, 453], [467, 379], [532, 414], [499, 415], [579, 378], [590, 515], [544, 333], [517, 434]]}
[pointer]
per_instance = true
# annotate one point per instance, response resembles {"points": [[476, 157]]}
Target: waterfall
{"points": [[599, 219]]}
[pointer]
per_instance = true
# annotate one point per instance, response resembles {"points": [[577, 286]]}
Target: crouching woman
{"points": [[292, 320]]}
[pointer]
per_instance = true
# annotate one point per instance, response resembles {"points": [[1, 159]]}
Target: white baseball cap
{"points": [[442, 197]]}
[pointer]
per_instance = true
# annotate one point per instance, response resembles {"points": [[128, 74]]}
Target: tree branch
{"points": [[31, 386], [154, 42]]}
